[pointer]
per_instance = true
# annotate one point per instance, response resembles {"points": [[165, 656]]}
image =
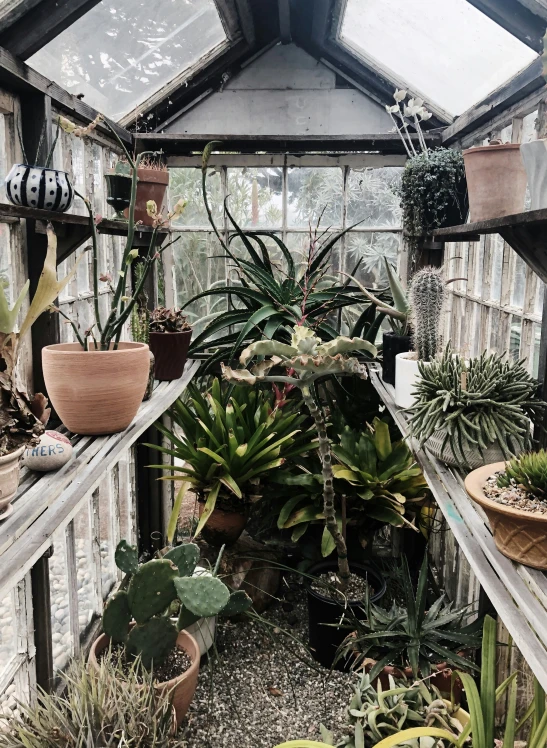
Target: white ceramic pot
{"points": [[203, 630], [534, 156], [406, 376]]}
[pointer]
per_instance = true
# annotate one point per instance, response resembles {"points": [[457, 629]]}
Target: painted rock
{"points": [[54, 451]]}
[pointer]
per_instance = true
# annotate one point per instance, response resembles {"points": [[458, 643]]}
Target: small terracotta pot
{"points": [[182, 688], [9, 478], [223, 527], [442, 680], [170, 350], [521, 536], [96, 392], [496, 180], [152, 185]]}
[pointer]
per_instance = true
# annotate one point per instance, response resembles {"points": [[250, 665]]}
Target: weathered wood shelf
{"points": [[526, 233], [518, 593], [46, 502]]}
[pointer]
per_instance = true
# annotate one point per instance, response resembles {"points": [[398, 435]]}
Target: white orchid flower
{"points": [[426, 115], [418, 102], [399, 95], [392, 109]]}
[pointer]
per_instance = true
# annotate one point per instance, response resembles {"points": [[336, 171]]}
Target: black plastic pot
{"points": [[170, 350], [118, 189], [392, 345], [325, 639]]}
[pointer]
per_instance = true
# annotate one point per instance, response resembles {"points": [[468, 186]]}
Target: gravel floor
{"points": [[259, 694]]}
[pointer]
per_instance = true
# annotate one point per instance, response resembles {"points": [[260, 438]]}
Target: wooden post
{"points": [[41, 613]]}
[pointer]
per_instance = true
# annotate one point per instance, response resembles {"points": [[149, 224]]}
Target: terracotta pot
{"points": [[170, 350], [151, 376], [182, 688], [152, 185], [534, 157], [96, 392], [223, 527], [442, 680], [519, 535], [496, 181], [493, 453], [9, 478]]}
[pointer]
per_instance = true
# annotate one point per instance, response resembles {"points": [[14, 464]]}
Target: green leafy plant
{"points": [[410, 634], [152, 588], [269, 298], [168, 320], [487, 400], [108, 707], [527, 470], [228, 441], [306, 360]]}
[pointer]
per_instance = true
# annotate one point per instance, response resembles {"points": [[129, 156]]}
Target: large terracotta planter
{"points": [[223, 527], [519, 535], [152, 185], [9, 480], [96, 392], [170, 350], [496, 181], [534, 157], [182, 688]]}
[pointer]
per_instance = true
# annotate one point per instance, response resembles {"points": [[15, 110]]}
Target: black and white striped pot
{"points": [[38, 187]]}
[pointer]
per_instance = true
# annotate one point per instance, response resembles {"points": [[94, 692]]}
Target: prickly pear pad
{"points": [[203, 596], [151, 589], [117, 617], [152, 641], [185, 557]]}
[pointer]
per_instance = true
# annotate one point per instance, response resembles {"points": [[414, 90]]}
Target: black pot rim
{"points": [[168, 332], [391, 334], [355, 567]]}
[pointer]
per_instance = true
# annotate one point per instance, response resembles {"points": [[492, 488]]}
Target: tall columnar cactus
{"points": [[427, 295], [153, 587]]}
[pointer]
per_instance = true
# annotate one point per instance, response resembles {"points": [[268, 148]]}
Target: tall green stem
{"points": [[329, 510]]}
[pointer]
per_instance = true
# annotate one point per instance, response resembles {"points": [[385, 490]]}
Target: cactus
{"points": [[151, 589], [202, 596], [126, 557], [185, 558], [529, 471], [427, 295], [238, 603], [152, 640], [117, 617]]}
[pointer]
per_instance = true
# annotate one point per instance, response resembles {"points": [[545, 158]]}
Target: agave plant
{"points": [[410, 634], [527, 470], [270, 299], [306, 360], [227, 442]]}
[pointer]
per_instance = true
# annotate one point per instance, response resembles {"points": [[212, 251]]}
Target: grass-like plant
{"points": [[490, 399], [528, 470]]}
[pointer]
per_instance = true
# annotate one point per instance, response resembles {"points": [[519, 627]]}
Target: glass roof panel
{"points": [[121, 52], [449, 51]]}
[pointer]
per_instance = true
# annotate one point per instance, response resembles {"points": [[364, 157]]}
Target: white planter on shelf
{"points": [[406, 376], [534, 156]]}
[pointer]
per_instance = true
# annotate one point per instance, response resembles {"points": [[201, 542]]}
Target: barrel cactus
{"points": [[138, 616], [427, 295]]}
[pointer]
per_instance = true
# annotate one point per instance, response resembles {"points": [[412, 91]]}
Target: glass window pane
{"points": [[371, 250], [497, 267], [372, 197], [60, 614], [515, 336], [120, 53], [421, 41], [199, 265], [534, 357], [255, 197], [540, 291], [186, 184], [314, 194], [87, 595], [519, 281], [8, 641]]}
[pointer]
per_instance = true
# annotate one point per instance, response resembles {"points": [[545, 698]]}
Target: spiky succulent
{"points": [[528, 470], [168, 320], [427, 292], [153, 587], [487, 400]]}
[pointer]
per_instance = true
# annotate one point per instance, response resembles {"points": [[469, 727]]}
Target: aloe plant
{"points": [[307, 359], [527, 470], [228, 442]]}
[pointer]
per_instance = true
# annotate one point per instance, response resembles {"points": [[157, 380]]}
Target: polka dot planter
{"points": [[38, 187]]}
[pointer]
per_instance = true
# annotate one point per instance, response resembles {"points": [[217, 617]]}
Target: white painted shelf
{"points": [[46, 502], [518, 593]]}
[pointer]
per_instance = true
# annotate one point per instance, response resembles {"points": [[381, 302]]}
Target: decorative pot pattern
{"points": [[534, 157], [519, 535], [494, 453], [496, 181], [96, 392], [170, 350], [38, 187], [9, 479]]}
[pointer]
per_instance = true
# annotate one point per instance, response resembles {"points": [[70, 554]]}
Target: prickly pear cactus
{"points": [[427, 294], [152, 640], [238, 603], [126, 557], [117, 617], [185, 557], [203, 596], [186, 618], [151, 589]]}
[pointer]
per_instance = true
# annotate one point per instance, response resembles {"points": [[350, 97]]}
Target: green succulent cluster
{"points": [[152, 589], [528, 470], [487, 400]]}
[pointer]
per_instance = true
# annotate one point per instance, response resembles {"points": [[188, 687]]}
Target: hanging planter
{"points": [[39, 187], [496, 180]]}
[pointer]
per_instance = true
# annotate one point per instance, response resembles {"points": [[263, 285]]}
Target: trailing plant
{"points": [[427, 294], [269, 297], [487, 400], [411, 634], [528, 470], [228, 442], [168, 320], [306, 360], [108, 707], [482, 726], [152, 588]]}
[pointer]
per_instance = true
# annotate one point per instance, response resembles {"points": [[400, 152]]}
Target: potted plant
{"points": [[153, 180], [118, 188], [227, 443], [169, 340], [41, 187], [513, 496], [97, 384], [137, 621], [472, 413]]}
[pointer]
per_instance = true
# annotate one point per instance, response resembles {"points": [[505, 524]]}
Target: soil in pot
{"points": [[170, 350], [392, 345], [323, 609], [177, 662]]}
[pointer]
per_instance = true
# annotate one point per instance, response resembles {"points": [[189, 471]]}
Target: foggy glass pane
{"points": [[314, 193], [255, 197], [371, 249], [185, 184], [497, 267], [536, 341], [540, 292], [372, 197], [479, 265], [199, 267], [519, 281], [515, 336]]}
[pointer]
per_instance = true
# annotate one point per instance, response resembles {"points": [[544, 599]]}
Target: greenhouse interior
{"points": [[273, 373]]}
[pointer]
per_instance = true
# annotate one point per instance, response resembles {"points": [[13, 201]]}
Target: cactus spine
{"points": [[427, 295]]}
